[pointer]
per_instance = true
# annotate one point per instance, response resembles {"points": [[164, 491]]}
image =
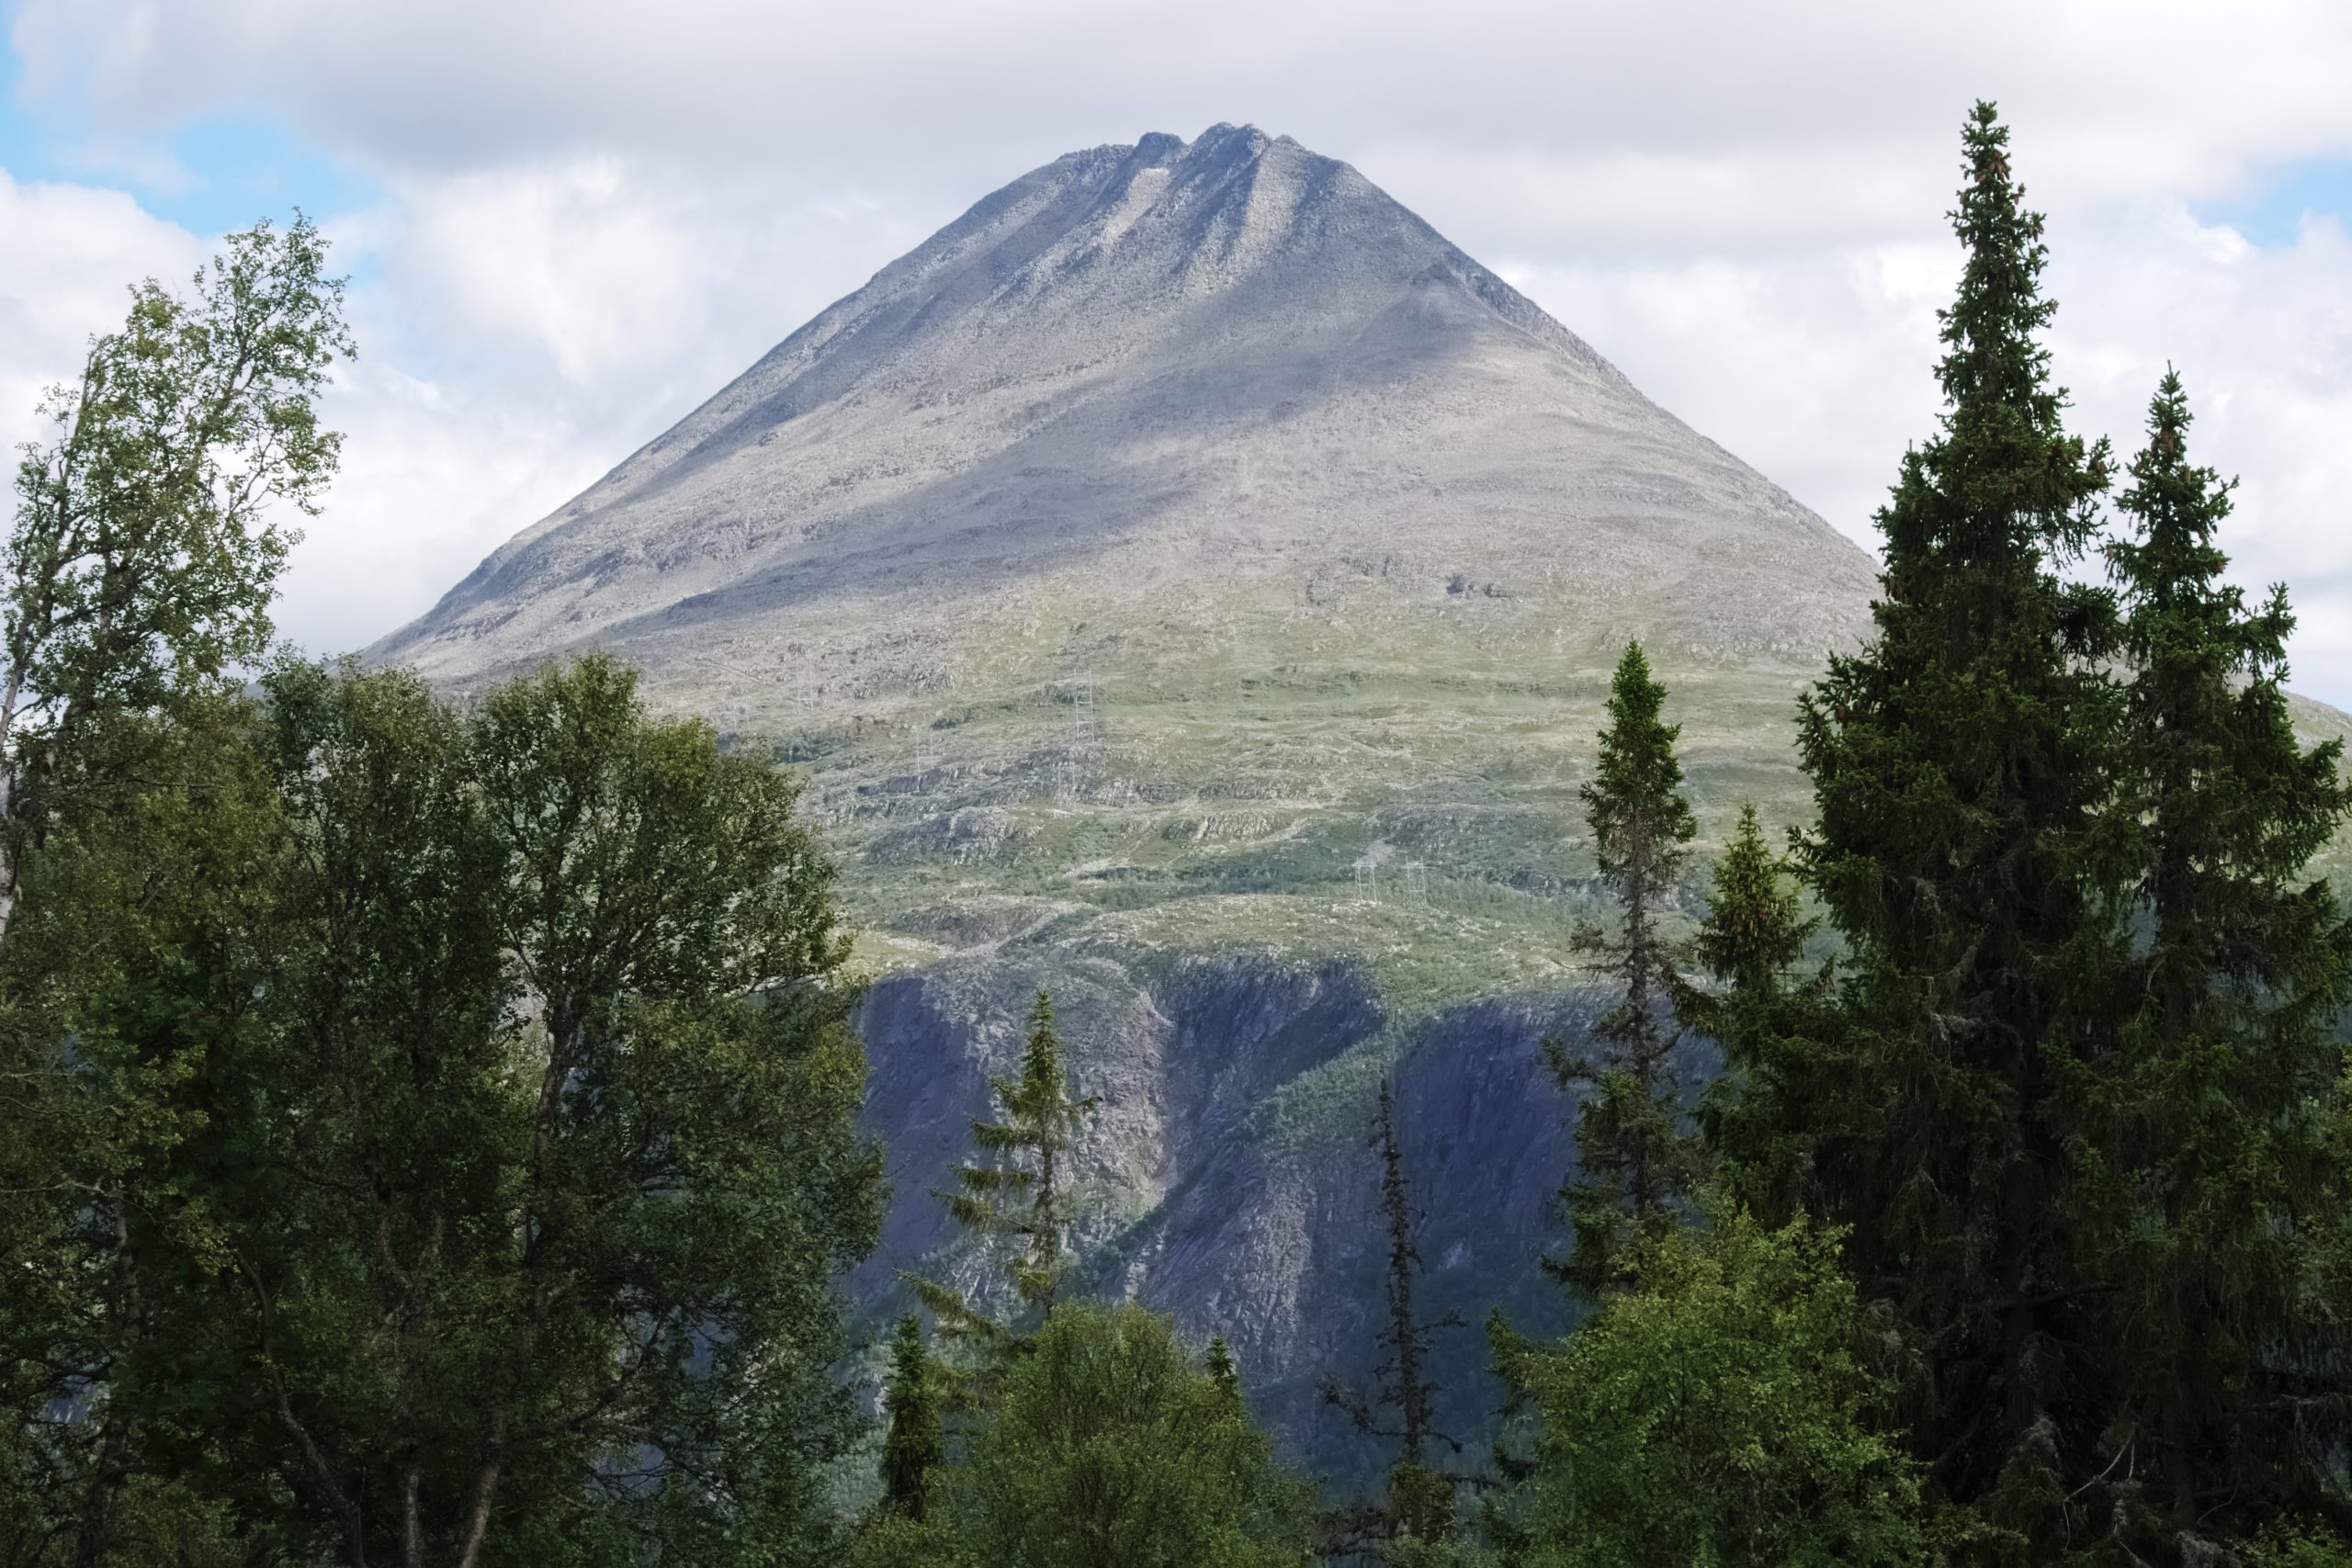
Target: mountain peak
{"points": [[1189, 583], [1227, 140], [1232, 357], [1156, 148]]}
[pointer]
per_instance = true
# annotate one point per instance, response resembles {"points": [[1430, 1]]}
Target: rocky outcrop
{"points": [[1202, 1201]]}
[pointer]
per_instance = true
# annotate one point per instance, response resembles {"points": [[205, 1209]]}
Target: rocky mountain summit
{"points": [[1188, 582], [1167, 384]]}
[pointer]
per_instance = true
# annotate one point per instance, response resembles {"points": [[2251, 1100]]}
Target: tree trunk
{"points": [[412, 1514], [1412, 1392], [94, 1538], [8, 800], [485, 1491]]}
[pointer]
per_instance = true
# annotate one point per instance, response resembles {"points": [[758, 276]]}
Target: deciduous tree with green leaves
{"points": [[504, 1155], [129, 879], [1111, 1444], [1720, 1409], [140, 559], [145, 548]]}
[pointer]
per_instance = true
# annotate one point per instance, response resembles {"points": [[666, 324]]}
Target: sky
{"points": [[568, 222]]}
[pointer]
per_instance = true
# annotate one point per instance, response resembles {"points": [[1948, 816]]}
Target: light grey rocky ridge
{"points": [[1156, 379]]}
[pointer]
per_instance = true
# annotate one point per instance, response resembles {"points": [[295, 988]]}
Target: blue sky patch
{"points": [[211, 176], [239, 170], [2273, 215]]}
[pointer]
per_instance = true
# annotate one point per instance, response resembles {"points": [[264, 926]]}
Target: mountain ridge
{"points": [[1190, 583], [917, 335]]}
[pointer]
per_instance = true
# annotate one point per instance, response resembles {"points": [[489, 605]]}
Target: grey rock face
{"points": [[1157, 380], [1272, 1241]]}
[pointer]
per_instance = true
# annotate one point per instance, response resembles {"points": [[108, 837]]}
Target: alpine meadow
{"points": [[1180, 890]]}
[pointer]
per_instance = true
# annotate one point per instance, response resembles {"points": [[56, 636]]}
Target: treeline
{"points": [[428, 1131]]}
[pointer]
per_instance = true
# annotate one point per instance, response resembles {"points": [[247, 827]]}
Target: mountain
{"points": [[1180, 384], [1190, 583]]}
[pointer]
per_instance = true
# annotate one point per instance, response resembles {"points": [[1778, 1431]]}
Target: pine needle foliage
{"points": [[915, 1445], [1758, 1119], [1402, 1405], [2216, 1173], [1022, 1193], [1223, 1371], [1636, 1161], [1753, 932], [1962, 763]]}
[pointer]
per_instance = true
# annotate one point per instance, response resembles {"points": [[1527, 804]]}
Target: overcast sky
{"points": [[568, 221]]}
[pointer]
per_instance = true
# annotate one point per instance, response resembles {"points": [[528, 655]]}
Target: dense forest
{"points": [[429, 1131]]}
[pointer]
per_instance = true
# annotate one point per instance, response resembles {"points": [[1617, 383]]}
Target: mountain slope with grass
{"points": [[1189, 583]]}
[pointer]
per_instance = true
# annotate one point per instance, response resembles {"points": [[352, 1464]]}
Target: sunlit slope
{"points": [[1189, 583]]}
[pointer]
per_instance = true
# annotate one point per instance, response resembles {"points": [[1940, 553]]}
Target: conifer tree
{"points": [[1635, 1160], [1420, 1498], [1960, 763], [2217, 1136], [915, 1445], [1023, 1192], [1758, 1119], [1222, 1371], [1753, 932]]}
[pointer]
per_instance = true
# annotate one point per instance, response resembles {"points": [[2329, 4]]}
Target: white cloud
{"points": [[522, 331], [2136, 97], [2263, 338], [593, 213], [70, 256], [1817, 367]]}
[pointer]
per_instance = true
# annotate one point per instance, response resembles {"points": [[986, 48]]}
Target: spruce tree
{"points": [[1635, 1160], [1758, 1119], [1023, 1192], [1960, 764], [2217, 1139], [1223, 1371], [915, 1445], [1753, 932], [1421, 1497]]}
